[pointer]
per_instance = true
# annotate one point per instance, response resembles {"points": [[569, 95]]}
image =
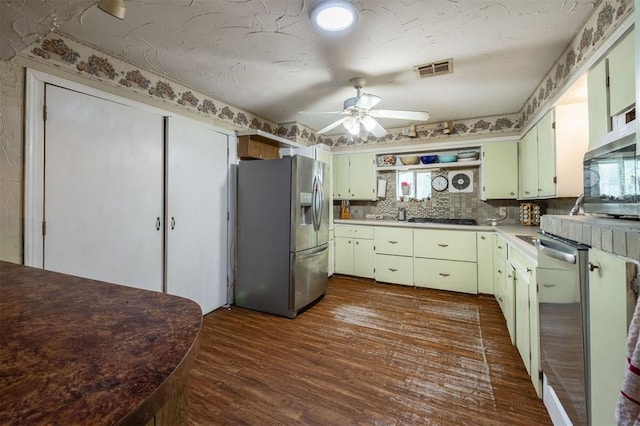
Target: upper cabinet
{"points": [[257, 148], [499, 172], [551, 154], [611, 88], [354, 177], [622, 75]]}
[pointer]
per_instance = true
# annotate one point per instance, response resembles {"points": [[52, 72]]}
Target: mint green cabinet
{"points": [[622, 75], [598, 104], [499, 171], [485, 262], [528, 164], [546, 156], [354, 177]]}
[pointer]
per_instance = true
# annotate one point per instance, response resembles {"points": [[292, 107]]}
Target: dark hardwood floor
{"points": [[367, 353]]}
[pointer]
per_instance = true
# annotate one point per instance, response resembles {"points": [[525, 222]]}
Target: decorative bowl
{"points": [[409, 160], [448, 158], [386, 160], [428, 159]]}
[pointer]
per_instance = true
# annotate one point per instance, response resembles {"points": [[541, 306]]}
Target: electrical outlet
{"points": [[502, 211]]}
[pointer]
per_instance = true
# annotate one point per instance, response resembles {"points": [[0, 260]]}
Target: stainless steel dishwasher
{"points": [[564, 328]]}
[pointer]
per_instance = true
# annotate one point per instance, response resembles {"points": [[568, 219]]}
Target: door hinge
{"points": [[44, 228], [44, 113], [540, 375], [553, 125], [555, 179]]}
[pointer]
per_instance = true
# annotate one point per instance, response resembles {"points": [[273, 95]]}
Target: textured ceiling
{"points": [[265, 57]]}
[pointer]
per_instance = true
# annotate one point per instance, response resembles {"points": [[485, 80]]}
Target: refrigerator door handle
{"points": [[314, 203], [313, 252], [320, 201]]}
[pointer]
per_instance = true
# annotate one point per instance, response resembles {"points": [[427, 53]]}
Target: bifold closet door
{"points": [[104, 192], [197, 213]]}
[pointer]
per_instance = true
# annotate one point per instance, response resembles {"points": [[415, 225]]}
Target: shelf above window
{"points": [[453, 165]]}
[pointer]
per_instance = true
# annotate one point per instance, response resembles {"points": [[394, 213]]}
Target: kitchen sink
{"points": [[531, 239]]}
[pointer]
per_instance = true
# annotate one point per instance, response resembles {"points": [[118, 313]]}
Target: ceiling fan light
{"points": [[113, 7], [349, 123], [368, 123], [355, 129], [334, 15]]}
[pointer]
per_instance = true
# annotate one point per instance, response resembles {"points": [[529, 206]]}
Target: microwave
{"points": [[612, 178]]}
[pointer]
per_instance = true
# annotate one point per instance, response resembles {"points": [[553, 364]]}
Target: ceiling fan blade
{"points": [[331, 126], [377, 130], [323, 112], [402, 115], [368, 101]]}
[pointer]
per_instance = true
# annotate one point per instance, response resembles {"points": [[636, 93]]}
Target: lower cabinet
{"points": [[611, 305], [394, 269], [331, 267], [354, 253], [446, 275], [485, 262]]}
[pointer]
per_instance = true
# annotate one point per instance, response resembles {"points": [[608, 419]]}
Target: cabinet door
{"points": [[522, 315], [362, 176], [622, 79], [546, 156], [500, 171], [610, 308], [534, 332], [344, 256], [446, 275], [394, 269], [197, 213], [363, 258], [341, 177], [446, 245], [510, 300], [528, 164], [499, 277], [485, 262], [598, 104], [395, 241]]}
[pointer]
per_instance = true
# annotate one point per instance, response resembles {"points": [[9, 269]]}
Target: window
{"points": [[413, 185]]}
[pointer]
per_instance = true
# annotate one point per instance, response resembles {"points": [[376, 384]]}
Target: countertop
{"points": [[508, 232], [79, 351]]}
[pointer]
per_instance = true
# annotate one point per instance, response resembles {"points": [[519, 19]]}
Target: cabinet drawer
{"points": [[500, 247], [446, 245], [446, 275], [394, 269], [364, 232], [522, 263], [396, 241]]}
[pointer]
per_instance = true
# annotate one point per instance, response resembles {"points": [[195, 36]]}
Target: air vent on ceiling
{"points": [[435, 68]]}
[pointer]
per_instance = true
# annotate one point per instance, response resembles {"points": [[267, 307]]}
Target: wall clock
{"points": [[439, 183]]}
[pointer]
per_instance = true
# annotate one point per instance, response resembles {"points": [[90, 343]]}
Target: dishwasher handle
{"points": [[555, 253]]}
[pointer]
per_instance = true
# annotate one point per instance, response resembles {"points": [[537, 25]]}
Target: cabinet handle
{"points": [[393, 242], [512, 193], [392, 269], [349, 241], [443, 245], [499, 247], [526, 192], [173, 222], [499, 271], [592, 266], [157, 223], [357, 243], [482, 237], [509, 276], [443, 274], [529, 270]]}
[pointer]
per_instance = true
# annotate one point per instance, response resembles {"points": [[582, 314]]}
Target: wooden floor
{"points": [[367, 354]]}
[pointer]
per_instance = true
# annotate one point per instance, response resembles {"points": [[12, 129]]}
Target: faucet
{"points": [[577, 208]]}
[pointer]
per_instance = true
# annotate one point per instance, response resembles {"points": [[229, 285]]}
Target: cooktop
{"points": [[443, 220]]}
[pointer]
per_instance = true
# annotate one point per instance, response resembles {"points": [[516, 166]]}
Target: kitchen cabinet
{"points": [[504, 284], [551, 154], [598, 104], [257, 148], [331, 267], [354, 177], [528, 165], [394, 255], [546, 157], [354, 250], [499, 171], [445, 260], [526, 314], [484, 242], [611, 305], [622, 74]]}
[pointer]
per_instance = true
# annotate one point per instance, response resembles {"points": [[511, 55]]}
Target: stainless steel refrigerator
{"points": [[283, 234]]}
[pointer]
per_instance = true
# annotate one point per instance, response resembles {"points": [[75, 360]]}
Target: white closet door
{"points": [[103, 190], [197, 213]]}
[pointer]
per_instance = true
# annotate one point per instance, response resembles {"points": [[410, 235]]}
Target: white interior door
{"points": [[197, 213], [103, 190]]}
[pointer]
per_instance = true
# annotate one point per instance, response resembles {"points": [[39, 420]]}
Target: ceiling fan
{"points": [[360, 115]]}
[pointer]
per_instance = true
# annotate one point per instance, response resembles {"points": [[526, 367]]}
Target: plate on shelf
{"points": [[467, 159]]}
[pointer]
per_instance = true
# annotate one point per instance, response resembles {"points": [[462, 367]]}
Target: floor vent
{"points": [[435, 68]]}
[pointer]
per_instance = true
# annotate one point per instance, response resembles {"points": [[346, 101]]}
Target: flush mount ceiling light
{"points": [[113, 7], [334, 15]]}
